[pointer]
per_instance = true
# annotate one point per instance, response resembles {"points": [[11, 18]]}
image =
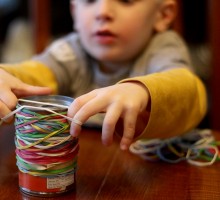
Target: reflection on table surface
{"points": [[109, 173]]}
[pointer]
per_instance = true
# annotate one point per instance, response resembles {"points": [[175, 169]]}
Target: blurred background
{"points": [[23, 24], [28, 26]]}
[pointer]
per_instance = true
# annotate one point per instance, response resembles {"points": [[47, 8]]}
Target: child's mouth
{"points": [[104, 37]]}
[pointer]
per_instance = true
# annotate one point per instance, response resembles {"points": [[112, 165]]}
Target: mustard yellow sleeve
{"points": [[178, 102], [33, 73]]}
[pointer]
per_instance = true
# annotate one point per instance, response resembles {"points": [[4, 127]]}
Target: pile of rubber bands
{"points": [[44, 146], [197, 147]]}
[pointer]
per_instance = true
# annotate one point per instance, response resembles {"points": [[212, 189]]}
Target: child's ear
{"points": [[166, 15], [72, 12], [72, 8]]}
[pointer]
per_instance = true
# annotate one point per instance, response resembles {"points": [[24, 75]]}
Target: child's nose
{"points": [[105, 9]]}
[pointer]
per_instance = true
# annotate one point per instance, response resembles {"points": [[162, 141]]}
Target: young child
{"points": [[122, 60]]}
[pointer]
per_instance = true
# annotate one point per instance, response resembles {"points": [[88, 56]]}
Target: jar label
{"points": [[60, 182]]}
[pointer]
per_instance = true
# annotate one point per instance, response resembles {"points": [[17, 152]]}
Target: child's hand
{"points": [[12, 88], [125, 100]]}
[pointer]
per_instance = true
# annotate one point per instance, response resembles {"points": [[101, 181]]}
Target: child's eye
{"points": [[122, 1], [88, 1], [127, 1]]}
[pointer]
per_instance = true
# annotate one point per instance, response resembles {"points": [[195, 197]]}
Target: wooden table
{"points": [[109, 173]]}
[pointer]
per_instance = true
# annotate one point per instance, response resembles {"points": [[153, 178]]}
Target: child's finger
{"points": [[78, 103], [130, 119], [83, 112], [4, 110], [75, 128], [8, 99], [28, 90], [113, 113]]}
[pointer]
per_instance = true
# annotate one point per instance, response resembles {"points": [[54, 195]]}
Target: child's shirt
{"points": [[77, 73]]}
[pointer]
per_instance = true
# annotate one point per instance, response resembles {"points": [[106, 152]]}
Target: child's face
{"points": [[116, 31]]}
